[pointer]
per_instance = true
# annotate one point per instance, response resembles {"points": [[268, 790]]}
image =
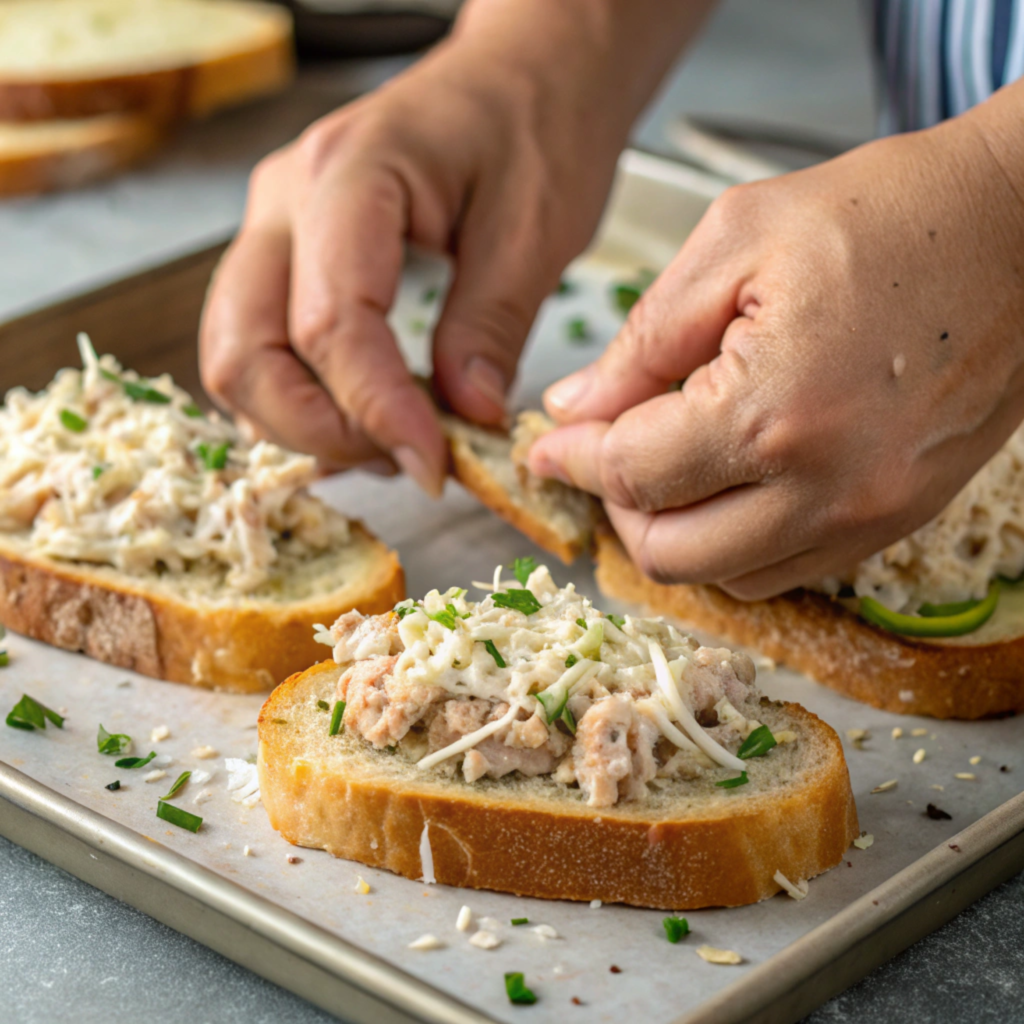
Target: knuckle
{"points": [[652, 564], [318, 144], [617, 475]]}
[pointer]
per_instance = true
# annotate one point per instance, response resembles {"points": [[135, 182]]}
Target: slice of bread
{"points": [[188, 627], [818, 636], [52, 155], [166, 59], [690, 845], [558, 518]]}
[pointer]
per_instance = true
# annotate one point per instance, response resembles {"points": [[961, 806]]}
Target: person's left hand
{"points": [[852, 347]]}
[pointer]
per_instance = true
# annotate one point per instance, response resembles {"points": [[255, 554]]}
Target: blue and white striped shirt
{"points": [[941, 57]]}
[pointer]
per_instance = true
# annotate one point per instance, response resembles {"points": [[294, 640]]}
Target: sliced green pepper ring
{"points": [[957, 624], [939, 611]]}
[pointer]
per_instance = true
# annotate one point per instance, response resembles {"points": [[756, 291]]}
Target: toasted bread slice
{"points": [[558, 518], [691, 845], [187, 627], [818, 636], [166, 59], [54, 155]]}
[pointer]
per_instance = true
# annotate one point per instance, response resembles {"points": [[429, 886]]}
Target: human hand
{"points": [[850, 339]]}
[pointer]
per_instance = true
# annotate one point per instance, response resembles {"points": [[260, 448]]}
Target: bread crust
{"points": [[102, 146], [244, 648], [163, 94], [554, 849], [819, 637]]}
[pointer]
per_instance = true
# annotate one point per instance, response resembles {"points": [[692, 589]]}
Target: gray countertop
{"points": [[70, 953]]}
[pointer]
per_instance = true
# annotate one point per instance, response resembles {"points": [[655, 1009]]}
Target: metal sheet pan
{"points": [[302, 925]]}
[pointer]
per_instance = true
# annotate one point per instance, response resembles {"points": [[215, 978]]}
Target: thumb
{"points": [[498, 287], [675, 327]]}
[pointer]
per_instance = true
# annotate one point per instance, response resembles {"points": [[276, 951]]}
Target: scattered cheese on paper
{"points": [[865, 841], [718, 956], [426, 942], [484, 940], [884, 787]]}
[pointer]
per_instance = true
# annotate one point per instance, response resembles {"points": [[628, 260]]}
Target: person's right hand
{"points": [[468, 153]]}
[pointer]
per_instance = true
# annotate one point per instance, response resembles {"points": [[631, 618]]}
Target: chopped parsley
{"points": [[616, 620], [515, 986], [676, 928], [571, 660], [626, 294], [582, 623], [213, 457], [494, 653], [336, 724], [135, 762], [757, 744], [565, 287], [739, 780], [520, 920], [97, 472], [72, 421], [111, 742], [323, 705], [176, 816], [405, 608], [5, 659], [429, 296], [137, 391], [178, 783], [522, 567], [192, 410], [519, 600], [448, 617], [29, 714], [568, 719], [578, 330], [113, 786]]}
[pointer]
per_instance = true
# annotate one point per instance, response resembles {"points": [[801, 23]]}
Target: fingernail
{"points": [[541, 465], [568, 393], [417, 467], [379, 467], [488, 379]]}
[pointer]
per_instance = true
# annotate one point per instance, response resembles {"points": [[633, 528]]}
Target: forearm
{"points": [[601, 59]]}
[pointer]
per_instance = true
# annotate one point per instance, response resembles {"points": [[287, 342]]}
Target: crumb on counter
{"points": [[884, 787], [484, 940], [966, 776], [204, 753], [919, 755], [974, 760], [362, 886], [712, 955], [247, 851], [919, 732], [161, 732], [864, 841], [292, 859], [155, 776], [595, 904], [426, 943], [897, 732], [464, 920]]}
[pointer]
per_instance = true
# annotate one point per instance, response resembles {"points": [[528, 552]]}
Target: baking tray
{"points": [[302, 924]]}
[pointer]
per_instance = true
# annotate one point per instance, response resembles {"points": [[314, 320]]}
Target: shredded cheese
{"points": [[426, 856], [798, 891], [712, 955]]}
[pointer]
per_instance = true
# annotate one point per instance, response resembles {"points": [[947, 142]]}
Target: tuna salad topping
{"points": [[533, 679], [105, 467]]}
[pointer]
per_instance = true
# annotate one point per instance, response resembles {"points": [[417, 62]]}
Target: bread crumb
{"points": [[798, 891], [155, 776], [918, 732], [897, 733], [974, 760], [857, 734], [941, 789], [765, 664], [362, 886], [545, 931], [966, 776], [718, 956], [161, 732], [373, 844], [292, 859], [594, 904], [884, 787], [204, 753], [464, 920], [865, 841], [426, 942], [484, 940], [919, 755], [247, 851]]}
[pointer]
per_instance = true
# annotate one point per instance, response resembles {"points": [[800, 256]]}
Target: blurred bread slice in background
{"points": [[168, 59], [91, 87]]}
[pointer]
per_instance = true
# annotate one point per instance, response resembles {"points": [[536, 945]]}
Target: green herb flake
{"points": [[578, 330], [135, 762], [565, 287], [571, 660], [401, 610], [111, 742], [519, 600], [176, 816], [213, 457], [494, 653], [429, 296], [323, 705], [5, 659], [626, 294], [757, 744], [418, 326], [518, 993], [29, 714], [192, 411], [113, 786], [144, 393], [739, 780], [97, 472], [179, 782], [522, 567], [72, 421], [676, 928], [582, 623], [448, 617], [336, 715], [616, 620], [520, 920], [568, 719]]}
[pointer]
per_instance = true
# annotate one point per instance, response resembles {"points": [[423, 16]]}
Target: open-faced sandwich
{"points": [[531, 744], [932, 625], [149, 535]]}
